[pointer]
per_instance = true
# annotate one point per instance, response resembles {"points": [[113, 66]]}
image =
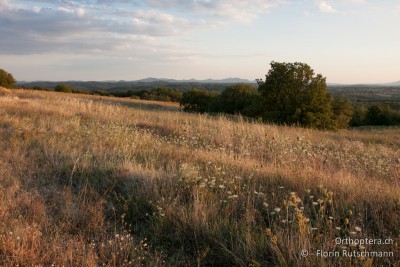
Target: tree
{"points": [[197, 100], [6, 79], [382, 115], [359, 116], [235, 98], [343, 112], [293, 95], [65, 88]]}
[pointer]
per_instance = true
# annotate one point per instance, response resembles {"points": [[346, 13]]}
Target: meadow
{"points": [[100, 181]]}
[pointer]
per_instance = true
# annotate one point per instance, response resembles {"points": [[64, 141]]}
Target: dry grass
{"points": [[88, 180]]}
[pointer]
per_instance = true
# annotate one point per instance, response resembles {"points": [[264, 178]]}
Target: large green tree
{"points": [[292, 94], [6, 79]]}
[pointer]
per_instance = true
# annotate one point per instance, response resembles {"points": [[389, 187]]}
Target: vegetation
{"points": [[293, 95], [159, 94], [134, 86], [6, 79], [368, 95], [80, 186], [197, 100], [343, 111], [235, 99], [244, 99], [382, 115], [64, 88]]}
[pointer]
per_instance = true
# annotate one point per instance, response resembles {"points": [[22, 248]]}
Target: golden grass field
{"points": [[97, 181]]}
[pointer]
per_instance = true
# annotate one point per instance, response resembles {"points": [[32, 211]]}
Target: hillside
{"points": [[97, 181]]}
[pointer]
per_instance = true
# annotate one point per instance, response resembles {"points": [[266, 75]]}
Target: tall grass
{"points": [[89, 181]]}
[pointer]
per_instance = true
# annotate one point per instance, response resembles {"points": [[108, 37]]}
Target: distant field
{"points": [[98, 181]]}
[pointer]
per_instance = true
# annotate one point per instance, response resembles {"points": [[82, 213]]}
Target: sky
{"points": [[347, 41]]}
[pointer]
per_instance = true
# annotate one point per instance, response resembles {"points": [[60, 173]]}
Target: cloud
{"points": [[74, 28], [237, 10], [326, 8], [90, 26]]}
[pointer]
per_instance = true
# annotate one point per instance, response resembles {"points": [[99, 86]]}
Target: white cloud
{"points": [[326, 8], [115, 34], [334, 6], [42, 26], [238, 10]]}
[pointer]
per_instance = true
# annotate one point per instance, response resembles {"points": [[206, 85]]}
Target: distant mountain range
{"points": [[227, 80], [392, 84]]}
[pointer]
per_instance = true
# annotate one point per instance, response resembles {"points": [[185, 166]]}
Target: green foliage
{"points": [[359, 115], [234, 99], [64, 88], [343, 112], [293, 95], [159, 94], [382, 115], [379, 115], [197, 100], [6, 79]]}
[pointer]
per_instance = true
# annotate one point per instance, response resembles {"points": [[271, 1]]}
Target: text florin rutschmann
{"points": [[356, 254], [360, 242]]}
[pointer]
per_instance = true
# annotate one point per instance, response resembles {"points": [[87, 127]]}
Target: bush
{"points": [[382, 115], [6, 79], [343, 112], [234, 99], [65, 88], [197, 100], [359, 115]]}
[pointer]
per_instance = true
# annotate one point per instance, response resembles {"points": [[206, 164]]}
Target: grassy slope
{"points": [[93, 181]]}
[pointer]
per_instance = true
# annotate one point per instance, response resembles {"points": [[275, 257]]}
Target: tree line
{"points": [[159, 94], [291, 94]]}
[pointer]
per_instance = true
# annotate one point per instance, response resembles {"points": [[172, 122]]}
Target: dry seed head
{"points": [[274, 240], [350, 213], [268, 232]]}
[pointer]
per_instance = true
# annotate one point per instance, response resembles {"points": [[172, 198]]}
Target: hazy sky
{"points": [[348, 41]]}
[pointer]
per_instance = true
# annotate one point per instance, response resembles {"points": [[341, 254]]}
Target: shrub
{"points": [[343, 112], [234, 99], [65, 88], [197, 100], [6, 79]]}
